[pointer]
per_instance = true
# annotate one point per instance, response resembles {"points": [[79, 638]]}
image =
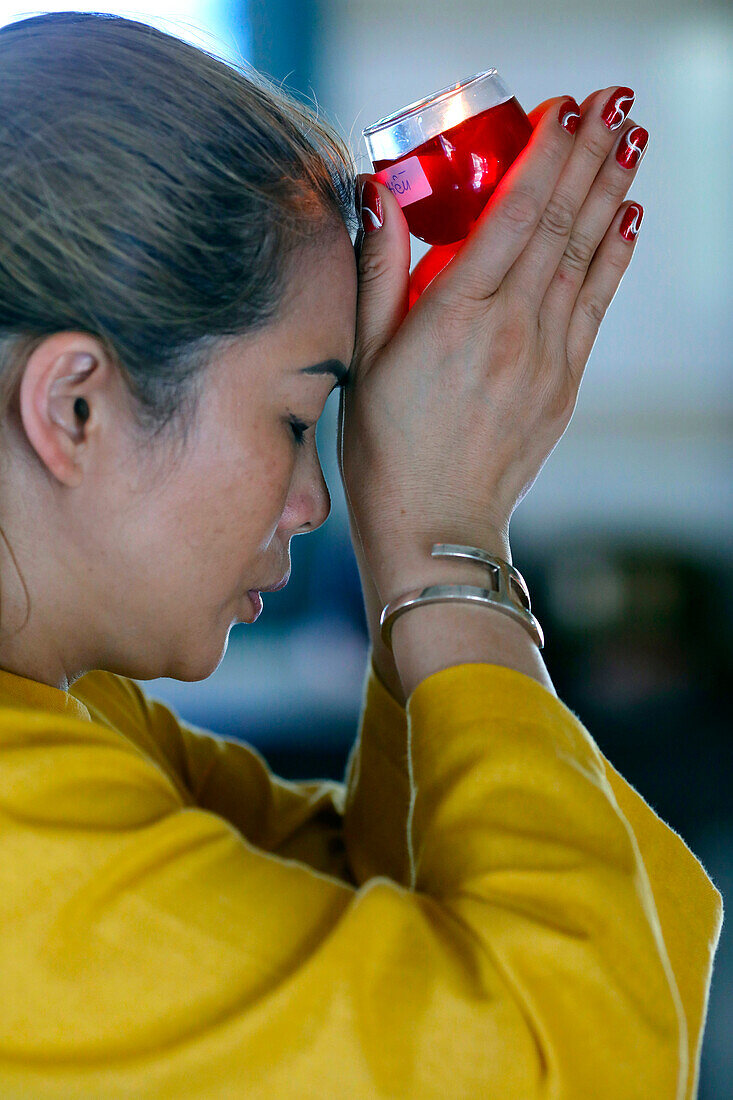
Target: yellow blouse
{"points": [[484, 908]]}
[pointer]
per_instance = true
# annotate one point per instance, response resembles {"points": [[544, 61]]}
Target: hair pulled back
{"points": [[150, 195]]}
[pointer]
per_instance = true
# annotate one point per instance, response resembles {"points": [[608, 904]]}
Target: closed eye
{"points": [[299, 429]]}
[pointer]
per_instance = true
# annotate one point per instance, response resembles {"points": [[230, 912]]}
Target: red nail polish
{"points": [[631, 221], [569, 116], [372, 217], [632, 146], [617, 107]]}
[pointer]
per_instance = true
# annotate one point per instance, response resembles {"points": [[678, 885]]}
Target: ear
{"points": [[62, 369]]}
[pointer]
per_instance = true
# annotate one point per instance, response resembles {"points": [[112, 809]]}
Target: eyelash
{"points": [[299, 430]]}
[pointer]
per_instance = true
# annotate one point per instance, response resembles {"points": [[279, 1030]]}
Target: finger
{"points": [[509, 220], [598, 211], [384, 272], [604, 276], [536, 115], [556, 232]]}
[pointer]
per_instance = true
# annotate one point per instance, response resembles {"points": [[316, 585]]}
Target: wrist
{"points": [[403, 571], [439, 636]]}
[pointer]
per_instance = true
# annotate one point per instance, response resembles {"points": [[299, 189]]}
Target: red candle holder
{"points": [[442, 158]]}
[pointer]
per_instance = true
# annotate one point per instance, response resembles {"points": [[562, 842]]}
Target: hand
{"points": [[454, 407]]}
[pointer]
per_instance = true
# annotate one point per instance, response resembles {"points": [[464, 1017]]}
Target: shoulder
{"points": [[113, 700], [154, 729]]}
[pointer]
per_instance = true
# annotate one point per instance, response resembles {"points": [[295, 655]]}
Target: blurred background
{"points": [[626, 539]]}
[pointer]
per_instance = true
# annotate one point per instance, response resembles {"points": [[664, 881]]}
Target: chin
{"points": [[197, 661], [199, 665]]}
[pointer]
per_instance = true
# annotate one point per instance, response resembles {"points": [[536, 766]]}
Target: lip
{"points": [[276, 587], [256, 601]]}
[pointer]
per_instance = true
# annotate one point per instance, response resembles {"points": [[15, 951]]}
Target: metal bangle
{"points": [[508, 593]]}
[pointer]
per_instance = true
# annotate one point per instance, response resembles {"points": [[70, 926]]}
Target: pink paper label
{"points": [[407, 181]]}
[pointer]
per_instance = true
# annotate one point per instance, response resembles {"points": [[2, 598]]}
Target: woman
{"points": [[484, 907]]}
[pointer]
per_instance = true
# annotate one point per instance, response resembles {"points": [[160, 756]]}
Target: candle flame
{"points": [[456, 110]]}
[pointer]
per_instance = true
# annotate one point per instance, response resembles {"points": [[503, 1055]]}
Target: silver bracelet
{"points": [[508, 592]]}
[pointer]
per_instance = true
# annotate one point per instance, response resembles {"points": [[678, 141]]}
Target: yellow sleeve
{"points": [[307, 820], [689, 907], [155, 951], [302, 820]]}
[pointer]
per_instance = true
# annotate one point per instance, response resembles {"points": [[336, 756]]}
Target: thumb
{"points": [[384, 269], [536, 115]]}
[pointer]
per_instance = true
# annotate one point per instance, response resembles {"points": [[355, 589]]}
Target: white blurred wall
{"points": [[649, 448], [207, 24]]}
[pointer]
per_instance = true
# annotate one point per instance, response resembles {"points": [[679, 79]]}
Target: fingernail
{"points": [[632, 147], [569, 116], [617, 107], [631, 221], [372, 217]]}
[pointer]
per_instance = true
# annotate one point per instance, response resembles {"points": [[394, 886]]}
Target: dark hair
{"points": [[150, 195]]}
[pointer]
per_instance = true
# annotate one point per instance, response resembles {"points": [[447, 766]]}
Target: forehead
{"points": [[316, 322], [319, 306]]}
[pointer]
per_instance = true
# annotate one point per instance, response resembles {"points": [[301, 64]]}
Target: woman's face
{"points": [[144, 572]]}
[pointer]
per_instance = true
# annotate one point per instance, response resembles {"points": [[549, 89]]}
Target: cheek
{"points": [[248, 504], [213, 529], [276, 491]]}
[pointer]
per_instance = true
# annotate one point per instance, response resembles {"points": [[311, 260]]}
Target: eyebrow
{"points": [[329, 366]]}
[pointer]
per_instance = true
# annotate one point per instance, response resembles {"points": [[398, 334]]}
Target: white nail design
{"points": [[568, 114], [376, 223], [631, 144], [634, 225], [618, 110]]}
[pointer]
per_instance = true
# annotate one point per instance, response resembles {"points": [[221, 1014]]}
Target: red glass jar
{"points": [[442, 158]]}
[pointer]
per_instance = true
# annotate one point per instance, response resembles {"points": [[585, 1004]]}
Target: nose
{"points": [[309, 502]]}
